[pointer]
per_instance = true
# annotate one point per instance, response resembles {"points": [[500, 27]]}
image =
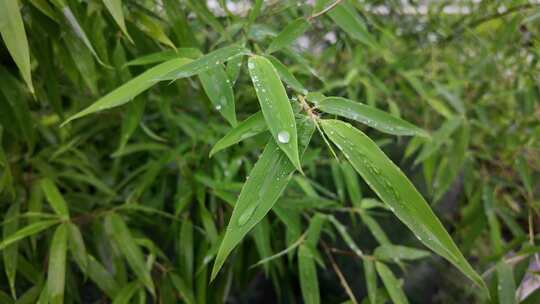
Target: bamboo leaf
{"points": [[370, 116], [128, 247], [267, 180], [218, 88], [126, 293], [388, 252], [191, 53], [11, 252], [103, 279], [206, 62], [395, 189], [392, 285], [14, 36], [287, 76], [55, 199], [77, 247], [275, 106], [57, 265], [115, 8], [506, 285], [126, 92], [288, 35], [371, 280], [252, 126], [308, 276], [26, 231]]}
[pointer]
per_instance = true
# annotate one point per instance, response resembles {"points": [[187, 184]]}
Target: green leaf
{"points": [[506, 285], [11, 252], [388, 252], [252, 126], [126, 293], [103, 279], [348, 19], [57, 265], [395, 189], [77, 247], [128, 247], [275, 106], [14, 36], [218, 88], [206, 62], [152, 27], [115, 8], [26, 231], [307, 271], [55, 198], [371, 279], [393, 286], [288, 35], [157, 57], [287, 76], [266, 182], [370, 116], [126, 92]]}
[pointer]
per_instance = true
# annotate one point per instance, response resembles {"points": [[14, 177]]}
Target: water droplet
{"points": [[283, 137], [246, 216], [218, 107], [251, 66]]}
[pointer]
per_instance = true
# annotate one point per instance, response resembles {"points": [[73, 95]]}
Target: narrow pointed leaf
{"points": [[26, 231], [288, 35], [370, 116], [395, 189], [391, 283], [55, 199], [77, 247], [389, 252], [126, 293], [130, 89], [158, 57], [287, 76], [252, 126], [371, 279], [56, 276], [266, 182], [11, 252], [218, 88], [103, 279], [14, 36], [129, 248], [275, 105], [115, 8], [307, 271], [206, 62]]}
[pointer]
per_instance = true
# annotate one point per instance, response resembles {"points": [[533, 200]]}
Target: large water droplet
{"points": [[218, 107], [283, 137], [246, 216]]}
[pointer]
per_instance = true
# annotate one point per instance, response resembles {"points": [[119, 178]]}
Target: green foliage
{"points": [[180, 152]]}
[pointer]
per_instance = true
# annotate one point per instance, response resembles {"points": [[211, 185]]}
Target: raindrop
{"points": [[283, 137], [218, 107]]}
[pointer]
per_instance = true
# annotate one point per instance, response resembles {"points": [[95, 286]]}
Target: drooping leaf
{"points": [[77, 247], [11, 252], [115, 8], [14, 36], [267, 180], [370, 116], [191, 53], [218, 88], [288, 35], [130, 89], [392, 285], [55, 198], [56, 276], [252, 126], [307, 270], [395, 189], [128, 247], [371, 279], [275, 106]]}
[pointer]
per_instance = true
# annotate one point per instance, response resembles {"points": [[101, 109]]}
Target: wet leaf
{"points": [[506, 285], [252, 126], [389, 252], [395, 189], [218, 88], [370, 116], [275, 106]]}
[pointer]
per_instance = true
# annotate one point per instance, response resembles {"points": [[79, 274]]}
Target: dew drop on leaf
{"points": [[283, 137]]}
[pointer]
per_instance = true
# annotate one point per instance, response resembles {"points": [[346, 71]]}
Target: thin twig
{"points": [[331, 6], [342, 279]]}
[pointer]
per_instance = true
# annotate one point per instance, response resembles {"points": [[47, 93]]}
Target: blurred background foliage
{"points": [[147, 206]]}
